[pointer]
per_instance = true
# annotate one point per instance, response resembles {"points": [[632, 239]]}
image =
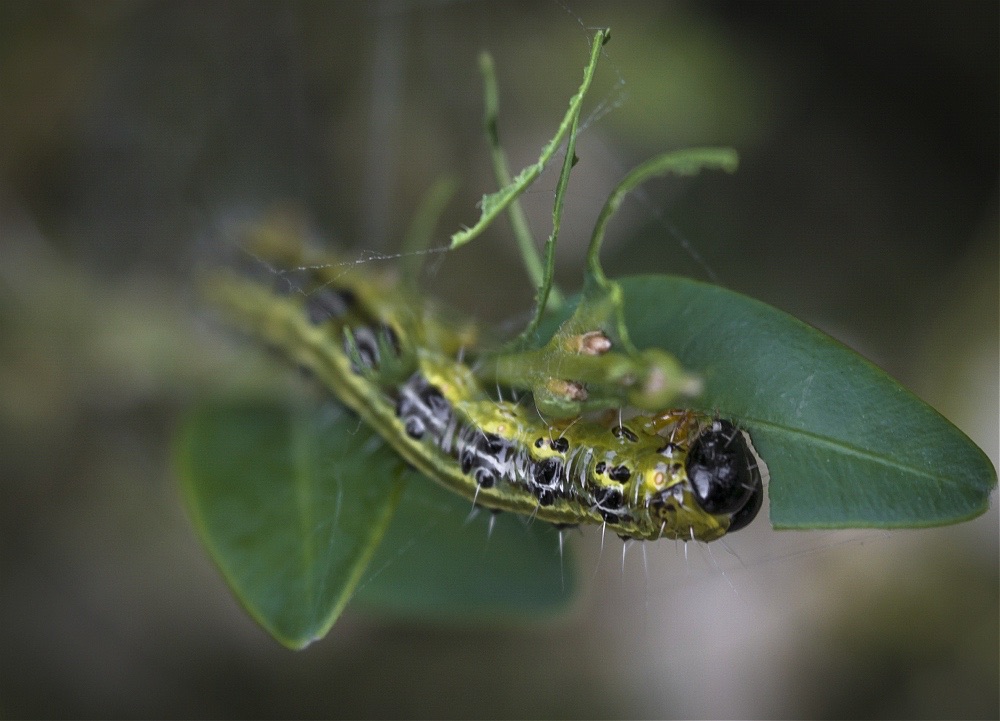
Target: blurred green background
{"points": [[866, 204]]}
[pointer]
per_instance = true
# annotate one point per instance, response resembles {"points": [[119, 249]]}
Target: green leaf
{"points": [[292, 504], [439, 560], [846, 445]]}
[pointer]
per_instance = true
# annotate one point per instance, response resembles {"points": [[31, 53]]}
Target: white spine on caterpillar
{"points": [[674, 474]]}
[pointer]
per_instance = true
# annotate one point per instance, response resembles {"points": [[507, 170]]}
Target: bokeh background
{"points": [[866, 204]]}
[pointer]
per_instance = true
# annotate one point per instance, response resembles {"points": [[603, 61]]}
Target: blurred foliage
{"points": [[865, 204]]}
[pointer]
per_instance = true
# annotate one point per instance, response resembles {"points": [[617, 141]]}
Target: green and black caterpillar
{"points": [[409, 371]]}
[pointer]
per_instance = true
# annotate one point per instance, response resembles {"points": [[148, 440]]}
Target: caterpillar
{"points": [[408, 370]]}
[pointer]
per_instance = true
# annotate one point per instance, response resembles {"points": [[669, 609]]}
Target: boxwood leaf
{"points": [[845, 444], [290, 524], [292, 503], [442, 560]]}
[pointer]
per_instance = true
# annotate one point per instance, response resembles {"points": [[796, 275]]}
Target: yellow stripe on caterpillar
{"points": [[674, 474]]}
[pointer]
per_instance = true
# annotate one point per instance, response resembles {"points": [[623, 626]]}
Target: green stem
{"points": [[501, 171], [495, 203], [547, 294], [681, 162]]}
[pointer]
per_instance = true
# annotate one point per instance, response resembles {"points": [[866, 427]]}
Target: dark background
{"points": [[866, 203]]}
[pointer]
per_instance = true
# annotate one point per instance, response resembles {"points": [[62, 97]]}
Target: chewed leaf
{"points": [[495, 203], [845, 444], [293, 504]]}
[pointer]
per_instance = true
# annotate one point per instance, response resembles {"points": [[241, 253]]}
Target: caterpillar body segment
{"points": [[395, 360]]}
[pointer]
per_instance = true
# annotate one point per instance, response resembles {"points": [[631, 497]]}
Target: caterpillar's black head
{"points": [[724, 475]]}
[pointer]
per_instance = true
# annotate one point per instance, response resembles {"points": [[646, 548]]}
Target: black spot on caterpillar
{"points": [[673, 474]]}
